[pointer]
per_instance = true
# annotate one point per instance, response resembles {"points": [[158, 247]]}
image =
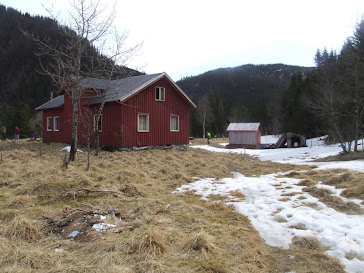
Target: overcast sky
{"points": [[189, 37]]}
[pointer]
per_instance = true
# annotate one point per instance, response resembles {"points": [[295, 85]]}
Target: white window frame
{"points": [[49, 124], [160, 93], [147, 125], [100, 122], [54, 123], [172, 129]]}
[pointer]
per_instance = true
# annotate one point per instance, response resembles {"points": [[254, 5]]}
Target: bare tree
{"points": [[329, 100], [204, 113], [352, 62], [68, 64], [88, 125], [339, 98]]}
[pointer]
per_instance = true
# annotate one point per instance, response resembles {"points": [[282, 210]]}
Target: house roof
{"points": [[120, 90], [54, 103], [243, 127]]}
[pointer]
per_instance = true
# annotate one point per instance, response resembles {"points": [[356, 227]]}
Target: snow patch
{"points": [[281, 212]]}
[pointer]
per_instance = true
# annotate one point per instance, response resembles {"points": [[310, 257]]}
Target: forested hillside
{"points": [[240, 94], [330, 99], [22, 87]]}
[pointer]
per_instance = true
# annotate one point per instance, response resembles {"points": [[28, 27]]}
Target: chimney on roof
{"points": [[51, 95]]}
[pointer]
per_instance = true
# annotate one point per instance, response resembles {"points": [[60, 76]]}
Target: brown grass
{"points": [[21, 228], [308, 243], [161, 232], [200, 244], [352, 181], [325, 196], [151, 243], [307, 182], [25, 258]]}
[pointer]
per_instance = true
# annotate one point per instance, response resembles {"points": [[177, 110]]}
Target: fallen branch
{"points": [[82, 210], [74, 193], [100, 191]]}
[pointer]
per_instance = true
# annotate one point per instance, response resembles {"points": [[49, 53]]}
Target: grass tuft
{"points": [[18, 202], [326, 197], [7, 215], [151, 243], [345, 177], [308, 243], [201, 244], [24, 229], [307, 183]]}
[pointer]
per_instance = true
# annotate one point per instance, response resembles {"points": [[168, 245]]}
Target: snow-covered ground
{"points": [[301, 156], [279, 208]]}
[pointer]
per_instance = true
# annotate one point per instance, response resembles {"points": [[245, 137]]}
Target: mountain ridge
{"points": [[241, 81]]}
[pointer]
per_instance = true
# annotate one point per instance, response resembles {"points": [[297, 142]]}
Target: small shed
{"points": [[244, 135]]}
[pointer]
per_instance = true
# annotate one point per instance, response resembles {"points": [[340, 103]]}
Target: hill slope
{"points": [[247, 84], [247, 93], [22, 87]]}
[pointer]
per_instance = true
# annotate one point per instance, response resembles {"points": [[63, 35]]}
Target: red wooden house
{"points": [[146, 110], [244, 135]]}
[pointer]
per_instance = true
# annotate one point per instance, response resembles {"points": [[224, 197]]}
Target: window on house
{"points": [[174, 123], [143, 123], [99, 124], [49, 123], [56, 124], [160, 93]]}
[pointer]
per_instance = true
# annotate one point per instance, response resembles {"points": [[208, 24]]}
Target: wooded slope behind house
{"points": [[246, 84], [22, 87], [247, 93]]}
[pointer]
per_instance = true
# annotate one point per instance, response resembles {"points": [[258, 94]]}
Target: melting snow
{"points": [[279, 209], [279, 217], [298, 156]]}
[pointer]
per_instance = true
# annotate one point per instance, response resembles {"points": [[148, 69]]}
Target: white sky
{"points": [[190, 37]]}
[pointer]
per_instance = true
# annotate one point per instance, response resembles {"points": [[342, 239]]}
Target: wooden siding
{"points": [[119, 120], [65, 122], [159, 112], [246, 139], [242, 138]]}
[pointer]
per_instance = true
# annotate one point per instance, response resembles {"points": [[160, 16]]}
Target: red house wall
{"points": [[65, 122], [119, 121], [144, 102]]}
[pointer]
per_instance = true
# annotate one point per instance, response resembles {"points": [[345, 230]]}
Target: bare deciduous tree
{"points": [[339, 98], [87, 52], [204, 113], [329, 100], [352, 62]]}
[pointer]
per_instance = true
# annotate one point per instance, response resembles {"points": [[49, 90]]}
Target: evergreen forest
{"points": [[247, 93], [330, 99]]}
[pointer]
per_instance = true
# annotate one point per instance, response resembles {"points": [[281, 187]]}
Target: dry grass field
{"points": [[47, 213]]}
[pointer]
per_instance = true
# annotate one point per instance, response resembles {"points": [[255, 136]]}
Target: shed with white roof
{"points": [[244, 135]]}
